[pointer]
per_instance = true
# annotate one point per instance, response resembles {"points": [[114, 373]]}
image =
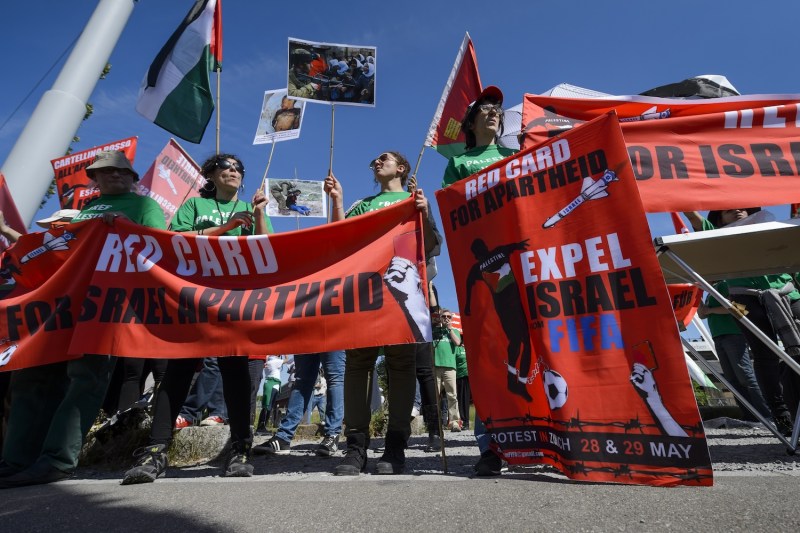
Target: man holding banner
{"points": [[53, 406]]}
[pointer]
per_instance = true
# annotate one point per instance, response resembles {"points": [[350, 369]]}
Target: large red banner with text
{"points": [[75, 189], [566, 316], [132, 291], [687, 155]]}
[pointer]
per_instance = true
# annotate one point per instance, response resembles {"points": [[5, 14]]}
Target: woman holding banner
{"points": [[482, 126], [390, 171], [217, 212]]}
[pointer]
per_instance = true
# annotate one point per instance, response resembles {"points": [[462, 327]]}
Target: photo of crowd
{"points": [[336, 73]]}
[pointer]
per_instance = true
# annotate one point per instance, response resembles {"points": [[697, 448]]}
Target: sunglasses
{"points": [[382, 158], [224, 164], [488, 108]]}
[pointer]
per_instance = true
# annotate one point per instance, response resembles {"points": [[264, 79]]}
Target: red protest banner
{"points": [[689, 155], [566, 316], [132, 291], [172, 179], [75, 189]]}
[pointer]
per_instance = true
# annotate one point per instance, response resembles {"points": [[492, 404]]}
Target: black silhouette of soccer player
{"points": [[494, 269]]}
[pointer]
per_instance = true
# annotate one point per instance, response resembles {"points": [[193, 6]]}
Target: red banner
{"points": [[689, 155], [132, 291], [685, 299], [566, 316], [173, 178], [75, 189]]}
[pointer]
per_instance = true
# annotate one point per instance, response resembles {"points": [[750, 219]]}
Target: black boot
{"points": [[355, 456], [261, 427], [393, 460], [434, 442], [239, 464]]}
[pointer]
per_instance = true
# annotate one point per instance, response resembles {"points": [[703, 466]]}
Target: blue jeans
{"points": [[482, 437], [306, 370], [317, 402], [206, 392], [734, 358]]}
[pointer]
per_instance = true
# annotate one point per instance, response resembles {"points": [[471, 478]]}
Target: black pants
{"points": [[255, 368], [134, 374], [427, 386], [772, 374], [464, 398], [236, 386]]}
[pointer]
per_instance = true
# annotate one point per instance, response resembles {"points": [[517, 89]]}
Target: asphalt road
{"points": [[755, 489]]}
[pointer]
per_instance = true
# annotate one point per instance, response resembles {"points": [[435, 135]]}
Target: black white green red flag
{"points": [[176, 92]]}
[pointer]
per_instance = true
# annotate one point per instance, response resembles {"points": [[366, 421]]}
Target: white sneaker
{"points": [[414, 413]]}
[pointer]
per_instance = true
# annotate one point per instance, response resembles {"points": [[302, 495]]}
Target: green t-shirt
{"points": [[471, 161], [203, 213], [140, 209], [726, 324], [443, 349], [373, 203], [461, 359]]}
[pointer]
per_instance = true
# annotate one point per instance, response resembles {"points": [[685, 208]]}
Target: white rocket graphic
{"points": [[590, 190], [49, 243]]}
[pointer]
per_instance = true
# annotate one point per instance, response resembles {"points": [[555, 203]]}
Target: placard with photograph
{"points": [[332, 73], [295, 198], [281, 118]]}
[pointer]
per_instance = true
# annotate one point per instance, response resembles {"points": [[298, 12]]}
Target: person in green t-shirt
{"points": [[53, 406], [390, 171], [445, 342], [217, 212], [482, 125], [765, 363]]}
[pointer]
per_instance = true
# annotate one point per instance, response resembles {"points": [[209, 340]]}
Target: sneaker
{"points": [[181, 423], [434, 443], [328, 446], [273, 446], [213, 421], [455, 425], [414, 412], [239, 462], [151, 462], [490, 464]]}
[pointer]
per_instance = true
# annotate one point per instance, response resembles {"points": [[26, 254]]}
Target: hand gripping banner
{"points": [[567, 318], [688, 155], [132, 291]]}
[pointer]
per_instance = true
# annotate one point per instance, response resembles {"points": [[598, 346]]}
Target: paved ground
{"points": [[755, 488]]}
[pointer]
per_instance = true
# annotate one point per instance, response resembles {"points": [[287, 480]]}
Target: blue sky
{"points": [[618, 47]]}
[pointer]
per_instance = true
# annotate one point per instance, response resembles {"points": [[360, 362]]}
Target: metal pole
{"points": [[219, 84], [59, 113], [330, 161]]}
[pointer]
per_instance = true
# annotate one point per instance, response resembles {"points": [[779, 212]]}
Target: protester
{"points": [[463, 392], [53, 406], [318, 398], [390, 171], [218, 211], [207, 394], [307, 368], [445, 340], [750, 292], [482, 126], [272, 386]]}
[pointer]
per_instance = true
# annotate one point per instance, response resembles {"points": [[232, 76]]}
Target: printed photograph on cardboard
{"points": [[332, 73], [280, 119], [296, 198]]}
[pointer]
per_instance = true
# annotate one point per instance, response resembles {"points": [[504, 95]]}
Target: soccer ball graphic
{"points": [[555, 386]]}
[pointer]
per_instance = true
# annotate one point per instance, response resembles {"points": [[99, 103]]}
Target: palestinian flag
{"points": [[462, 88], [176, 92]]}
